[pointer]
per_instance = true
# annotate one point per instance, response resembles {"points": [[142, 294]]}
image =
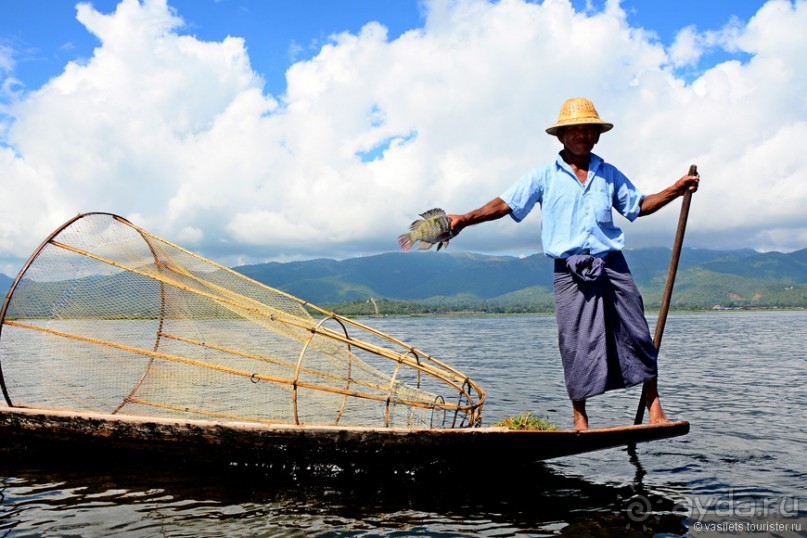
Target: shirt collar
{"points": [[594, 163]]}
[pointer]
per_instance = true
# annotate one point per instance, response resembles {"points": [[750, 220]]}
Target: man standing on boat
{"points": [[604, 338]]}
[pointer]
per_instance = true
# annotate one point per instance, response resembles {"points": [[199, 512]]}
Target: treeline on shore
{"points": [[385, 307], [413, 308]]}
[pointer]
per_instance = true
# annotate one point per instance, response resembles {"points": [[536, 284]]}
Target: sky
{"points": [[251, 131]]}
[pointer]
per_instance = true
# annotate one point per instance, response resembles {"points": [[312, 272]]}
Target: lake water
{"points": [[738, 377]]}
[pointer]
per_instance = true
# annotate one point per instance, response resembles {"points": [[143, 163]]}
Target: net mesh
{"points": [[106, 317]]}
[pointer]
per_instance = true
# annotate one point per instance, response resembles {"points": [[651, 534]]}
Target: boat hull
{"points": [[70, 435]]}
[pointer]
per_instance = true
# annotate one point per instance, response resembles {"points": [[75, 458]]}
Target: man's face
{"points": [[579, 139]]}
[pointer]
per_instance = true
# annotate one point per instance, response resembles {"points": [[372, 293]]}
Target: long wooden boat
{"points": [[104, 435], [107, 316]]}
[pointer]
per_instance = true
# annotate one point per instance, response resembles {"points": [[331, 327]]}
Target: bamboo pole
{"points": [[668, 289]]}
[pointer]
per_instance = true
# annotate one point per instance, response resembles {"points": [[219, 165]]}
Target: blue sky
{"points": [[318, 132], [47, 35]]}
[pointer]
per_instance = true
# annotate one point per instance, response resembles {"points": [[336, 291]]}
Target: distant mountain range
{"points": [[705, 279], [460, 281]]}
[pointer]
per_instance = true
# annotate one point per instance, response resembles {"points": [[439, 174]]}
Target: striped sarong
{"points": [[603, 335]]}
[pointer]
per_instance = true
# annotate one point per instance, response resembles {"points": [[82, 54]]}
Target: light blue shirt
{"points": [[576, 218]]}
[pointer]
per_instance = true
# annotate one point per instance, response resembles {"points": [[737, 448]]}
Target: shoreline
{"points": [[472, 313]]}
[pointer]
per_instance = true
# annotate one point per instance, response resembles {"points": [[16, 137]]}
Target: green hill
{"points": [[450, 282]]}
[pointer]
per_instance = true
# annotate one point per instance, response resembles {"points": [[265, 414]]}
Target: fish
{"points": [[433, 228]]}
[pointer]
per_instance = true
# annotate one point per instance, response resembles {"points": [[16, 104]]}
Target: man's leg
{"points": [[655, 412], [580, 416]]}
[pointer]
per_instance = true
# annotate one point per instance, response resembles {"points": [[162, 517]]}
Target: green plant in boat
{"points": [[526, 421]]}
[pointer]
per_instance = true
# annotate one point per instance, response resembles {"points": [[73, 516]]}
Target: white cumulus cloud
{"points": [[178, 134]]}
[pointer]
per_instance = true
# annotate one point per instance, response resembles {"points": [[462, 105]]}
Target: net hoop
{"points": [[323, 385]]}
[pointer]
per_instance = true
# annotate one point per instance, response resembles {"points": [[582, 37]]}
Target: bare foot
{"points": [[580, 416]]}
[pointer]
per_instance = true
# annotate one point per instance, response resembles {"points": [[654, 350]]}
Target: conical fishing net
{"points": [[108, 318]]}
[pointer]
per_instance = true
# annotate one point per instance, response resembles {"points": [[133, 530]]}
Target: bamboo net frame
{"points": [[107, 317]]}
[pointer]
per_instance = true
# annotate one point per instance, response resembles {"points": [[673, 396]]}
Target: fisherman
{"points": [[603, 335]]}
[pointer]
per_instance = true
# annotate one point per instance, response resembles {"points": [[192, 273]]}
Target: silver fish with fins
{"points": [[433, 228]]}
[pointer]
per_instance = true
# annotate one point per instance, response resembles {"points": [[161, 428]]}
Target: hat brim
{"points": [[603, 125]]}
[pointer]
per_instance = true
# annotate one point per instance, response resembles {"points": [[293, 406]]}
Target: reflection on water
{"points": [[737, 377], [149, 499]]}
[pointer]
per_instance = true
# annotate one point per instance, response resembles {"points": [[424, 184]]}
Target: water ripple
{"points": [[737, 377]]}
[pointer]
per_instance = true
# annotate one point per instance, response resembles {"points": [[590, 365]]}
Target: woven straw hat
{"points": [[578, 111]]}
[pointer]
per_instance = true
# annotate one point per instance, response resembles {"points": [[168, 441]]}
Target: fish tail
{"points": [[405, 241]]}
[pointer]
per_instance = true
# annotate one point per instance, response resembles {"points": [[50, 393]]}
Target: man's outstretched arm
{"points": [[495, 209]]}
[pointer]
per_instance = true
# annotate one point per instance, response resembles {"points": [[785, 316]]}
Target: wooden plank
{"points": [[251, 443]]}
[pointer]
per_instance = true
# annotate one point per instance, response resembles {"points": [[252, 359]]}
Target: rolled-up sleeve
{"points": [[522, 196], [627, 198]]}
